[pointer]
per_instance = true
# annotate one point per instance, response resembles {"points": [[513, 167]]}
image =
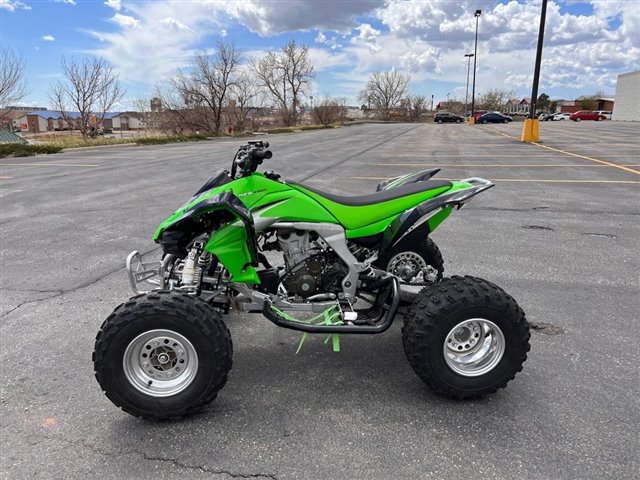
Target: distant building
{"points": [[519, 107], [48, 121], [627, 106], [10, 114], [599, 103], [156, 105], [124, 121], [43, 121]]}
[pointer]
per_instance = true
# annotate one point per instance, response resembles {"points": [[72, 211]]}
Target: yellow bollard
{"points": [[531, 130], [472, 121]]}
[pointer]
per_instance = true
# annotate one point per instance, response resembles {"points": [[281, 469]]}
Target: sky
{"points": [[587, 44]]}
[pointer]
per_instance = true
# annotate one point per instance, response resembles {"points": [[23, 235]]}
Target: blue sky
{"points": [[587, 44]]}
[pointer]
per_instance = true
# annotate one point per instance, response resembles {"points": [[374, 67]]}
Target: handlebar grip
{"points": [[259, 155]]}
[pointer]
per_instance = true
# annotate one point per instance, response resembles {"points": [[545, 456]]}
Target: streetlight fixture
{"points": [[475, 57], [466, 92]]}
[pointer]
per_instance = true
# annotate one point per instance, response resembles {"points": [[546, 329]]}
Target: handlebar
{"points": [[249, 156]]}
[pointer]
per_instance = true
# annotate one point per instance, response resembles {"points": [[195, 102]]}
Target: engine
{"points": [[311, 267]]}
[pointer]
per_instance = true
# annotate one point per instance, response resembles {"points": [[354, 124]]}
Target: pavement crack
{"points": [[113, 454], [205, 469], [58, 293], [361, 152]]}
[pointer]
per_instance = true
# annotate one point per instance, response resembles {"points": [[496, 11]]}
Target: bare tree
{"points": [[286, 75], [91, 88], [12, 83], [416, 106], [142, 106], [327, 111], [384, 92], [496, 99], [173, 116], [244, 97], [206, 87]]}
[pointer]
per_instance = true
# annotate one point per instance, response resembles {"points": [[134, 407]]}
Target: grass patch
{"points": [[315, 127], [18, 150], [77, 141], [280, 130], [170, 139]]}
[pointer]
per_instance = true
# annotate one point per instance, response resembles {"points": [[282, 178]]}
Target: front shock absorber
{"points": [[191, 270]]}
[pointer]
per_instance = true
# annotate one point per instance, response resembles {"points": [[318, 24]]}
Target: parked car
{"points": [[545, 117], [606, 113], [586, 115], [494, 117], [561, 116], [443, 117], [478, 114]]}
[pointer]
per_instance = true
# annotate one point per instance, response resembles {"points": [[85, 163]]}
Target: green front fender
{"points": [[230, 245]]}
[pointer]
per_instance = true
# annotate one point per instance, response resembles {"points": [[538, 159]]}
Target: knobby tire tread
{"points": [[438, 301], [192, 310]]}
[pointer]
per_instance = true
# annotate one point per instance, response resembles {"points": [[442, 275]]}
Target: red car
{"points": [[586, 115]]}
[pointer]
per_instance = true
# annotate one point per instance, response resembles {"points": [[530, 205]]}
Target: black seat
{"points": [[381, 196]]}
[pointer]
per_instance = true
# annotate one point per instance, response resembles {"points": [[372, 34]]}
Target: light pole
{"points": [[466, 93], [475, 57], [530, 131]]}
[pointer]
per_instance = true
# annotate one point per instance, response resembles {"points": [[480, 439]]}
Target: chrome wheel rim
{"points": [[160, 363], [474, 347]]}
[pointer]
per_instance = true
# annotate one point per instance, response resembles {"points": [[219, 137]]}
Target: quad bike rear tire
{"points": [[465, 337], [163, 355]]}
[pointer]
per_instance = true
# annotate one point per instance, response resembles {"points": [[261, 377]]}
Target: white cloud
{"points": [[368, 36], [162, 38], [69, 2], [126, 21], [13, 5], [174, 23], [332, 42], [323, 59], [115, 4], [580, 51], [48, 38], [427, 39]]}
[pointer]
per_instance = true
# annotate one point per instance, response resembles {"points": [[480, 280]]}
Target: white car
{"points": [[561, 116], [606, 113]]}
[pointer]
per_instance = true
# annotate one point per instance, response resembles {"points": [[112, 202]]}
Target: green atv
{"points": [[344, 266]]}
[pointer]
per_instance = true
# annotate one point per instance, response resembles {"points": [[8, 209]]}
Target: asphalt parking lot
{"points": [[560, 232]]}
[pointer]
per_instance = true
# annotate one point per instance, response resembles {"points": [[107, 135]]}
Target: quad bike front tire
{"points": [[465, 337], [409, 263], [163, 355]]}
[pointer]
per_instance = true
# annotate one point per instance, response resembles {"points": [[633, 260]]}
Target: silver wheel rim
{"points": [[160, 363], [474, 347]]}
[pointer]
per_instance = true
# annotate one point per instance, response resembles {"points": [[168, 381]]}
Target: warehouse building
{"points": [[627, 106]]}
